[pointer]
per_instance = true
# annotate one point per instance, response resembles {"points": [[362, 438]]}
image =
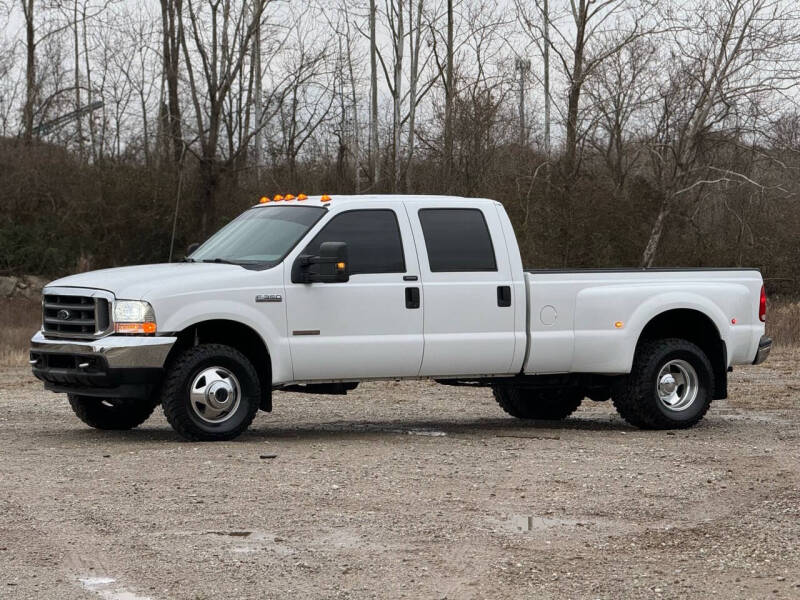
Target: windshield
{"points": [[261, 236]]}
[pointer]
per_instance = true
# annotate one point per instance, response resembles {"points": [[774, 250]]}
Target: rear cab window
{"points": [[457, 240]]}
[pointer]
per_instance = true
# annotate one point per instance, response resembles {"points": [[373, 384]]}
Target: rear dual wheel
{"points": [[670, 386], [546, 405]]}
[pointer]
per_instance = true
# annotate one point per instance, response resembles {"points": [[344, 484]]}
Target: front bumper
{"points": [[111, 367], [764, 347]]}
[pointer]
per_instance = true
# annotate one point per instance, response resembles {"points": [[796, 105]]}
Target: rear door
{"points": [[466, 286], [370, 326]]}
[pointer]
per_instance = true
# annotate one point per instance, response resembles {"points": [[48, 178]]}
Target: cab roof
{"points": [[339, 199]]}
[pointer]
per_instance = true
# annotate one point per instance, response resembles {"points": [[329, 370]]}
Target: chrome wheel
{"points": [[215, 394], [677, 385]]}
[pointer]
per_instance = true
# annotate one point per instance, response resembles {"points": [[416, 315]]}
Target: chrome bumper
{"points": [[119, 352], [764, 346]]}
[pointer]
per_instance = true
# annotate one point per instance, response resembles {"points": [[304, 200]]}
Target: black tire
{"points": [[636, 396], [185, 417], [111, 413], [545, 405]]}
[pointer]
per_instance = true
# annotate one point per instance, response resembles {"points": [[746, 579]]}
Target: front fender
{"points": [[268, 320]]}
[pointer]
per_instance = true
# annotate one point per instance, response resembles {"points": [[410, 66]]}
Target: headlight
{"points": [[134, 316]]}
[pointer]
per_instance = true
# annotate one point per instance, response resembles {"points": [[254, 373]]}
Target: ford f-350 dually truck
{"points": [[317, 294]]}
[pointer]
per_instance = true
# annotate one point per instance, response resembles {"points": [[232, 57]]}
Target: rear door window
{"points": [[457, 240]]}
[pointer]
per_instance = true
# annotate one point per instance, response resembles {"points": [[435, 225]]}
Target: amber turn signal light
{"points": [[141, 328]]}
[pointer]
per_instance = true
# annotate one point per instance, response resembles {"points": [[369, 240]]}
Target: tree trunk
{"points": [[399, 34], [374, 149], [76, 58], [413, 48], [258, 140], [30, 72], [574, 96], [448, 102], [209, 179], [649, 254], [546, 78], [172, 32]]}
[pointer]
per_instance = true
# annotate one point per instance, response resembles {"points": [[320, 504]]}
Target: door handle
{"points": [[503, 295], [412, 297]]}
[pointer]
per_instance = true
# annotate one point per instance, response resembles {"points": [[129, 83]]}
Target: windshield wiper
{"points": [[222, 261], [187, 259]]}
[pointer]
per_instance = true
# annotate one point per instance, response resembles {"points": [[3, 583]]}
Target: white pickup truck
{"points": [[318, 294]]}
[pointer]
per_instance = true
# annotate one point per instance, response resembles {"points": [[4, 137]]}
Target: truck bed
{"points": [[588, 320]]}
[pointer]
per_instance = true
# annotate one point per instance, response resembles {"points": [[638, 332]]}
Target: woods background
{"points": [[615, 132]]}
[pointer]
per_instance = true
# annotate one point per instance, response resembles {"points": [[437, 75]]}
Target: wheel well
{"points": [[236, 335], [695, 327]]}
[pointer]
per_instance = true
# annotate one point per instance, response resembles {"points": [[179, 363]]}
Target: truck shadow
{"points": [[347, 430]]}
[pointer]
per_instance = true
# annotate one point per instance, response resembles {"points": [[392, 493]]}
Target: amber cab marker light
{"points": [[288, 197], [301, 197], [263, 200], [325, 198], [277, 198]]}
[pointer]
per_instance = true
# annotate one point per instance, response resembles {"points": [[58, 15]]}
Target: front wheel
{"points": [[211, 393], [670, 386], [111, 413], [546, 405]]}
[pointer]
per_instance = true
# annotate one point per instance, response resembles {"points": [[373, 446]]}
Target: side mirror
{"points": [[192, 247], [331, 266]]}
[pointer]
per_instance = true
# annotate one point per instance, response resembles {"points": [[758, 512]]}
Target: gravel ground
{"points": [[406, 490]]}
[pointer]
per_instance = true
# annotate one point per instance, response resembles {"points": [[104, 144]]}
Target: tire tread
{"points": [[175, 408], [629, 393], [537, 405]]}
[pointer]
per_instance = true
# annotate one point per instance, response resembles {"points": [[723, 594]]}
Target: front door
{"points": [[370, 326]]}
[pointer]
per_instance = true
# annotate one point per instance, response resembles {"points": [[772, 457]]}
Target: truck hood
{"points": [[136, 283]]}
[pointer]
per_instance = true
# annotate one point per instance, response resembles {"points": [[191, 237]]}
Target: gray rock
{"points": [[7, 286], [35, 283]]}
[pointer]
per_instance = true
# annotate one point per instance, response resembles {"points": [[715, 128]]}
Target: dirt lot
{"points": [[406, 490]]}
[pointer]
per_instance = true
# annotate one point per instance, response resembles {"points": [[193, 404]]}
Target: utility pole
{"points": [[523, 65], [374, 150], [546, 57]]}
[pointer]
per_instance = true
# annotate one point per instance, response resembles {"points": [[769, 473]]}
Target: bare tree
{"points": [[726, 58], [448, 97], [621, 94], [171, 35], [374, 148], [597, 30], [219, 35], [30, 69]]}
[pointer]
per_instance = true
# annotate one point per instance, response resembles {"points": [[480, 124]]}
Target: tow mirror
{"points": [[331, 266]]}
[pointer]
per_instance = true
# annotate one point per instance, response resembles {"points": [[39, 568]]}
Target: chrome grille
{"points": [[71, 316]]}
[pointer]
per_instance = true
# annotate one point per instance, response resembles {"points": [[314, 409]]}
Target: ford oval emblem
{"points": [[64, 314]]}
